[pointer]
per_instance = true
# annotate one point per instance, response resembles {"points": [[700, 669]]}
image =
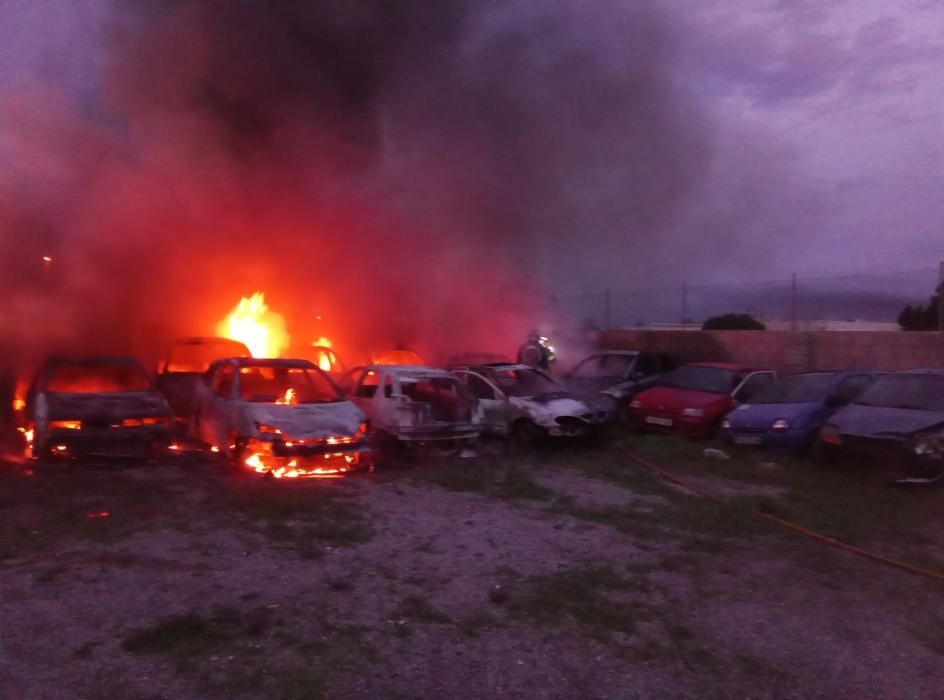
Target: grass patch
{"points": [[488, 478], [193, 634], [475, 623], [580, 594], [420, 610]]}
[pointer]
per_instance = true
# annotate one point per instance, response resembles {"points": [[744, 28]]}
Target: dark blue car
{"points": [[788, 414]]}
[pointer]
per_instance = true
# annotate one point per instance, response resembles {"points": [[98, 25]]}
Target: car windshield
{"points": [[604, 366], [524, 382], [286, 385], [800, 388], [197, 357], [922, 392], [713, 380], [98, 378]]}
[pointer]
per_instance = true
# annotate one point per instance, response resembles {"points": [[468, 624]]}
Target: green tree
{"points": [[733, 322], [922, 317]]}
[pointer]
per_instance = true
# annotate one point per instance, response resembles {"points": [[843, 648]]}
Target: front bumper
{"points": [[444, 433], [674, 424], [108, 441], [300, 459], [795, 441]]}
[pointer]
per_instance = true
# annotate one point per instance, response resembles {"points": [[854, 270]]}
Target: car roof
{"points": [[92, 360], [628, 353], [513, 366], [415, 370], [270, 362], [933, 371], [733, 366], [207, 340]]}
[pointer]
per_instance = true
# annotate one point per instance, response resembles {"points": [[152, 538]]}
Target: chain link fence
{"points": [[803, 303]]}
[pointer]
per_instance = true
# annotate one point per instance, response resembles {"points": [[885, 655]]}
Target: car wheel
{"points": [[525, 433]]}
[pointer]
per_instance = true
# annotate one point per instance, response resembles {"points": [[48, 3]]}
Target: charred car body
{"points": [[619, 374], [281, 417], [80, 407], [518, 400], [897, 424], [414, 404], [182, 370]]}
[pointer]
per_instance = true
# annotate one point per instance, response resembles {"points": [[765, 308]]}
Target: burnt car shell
{"points": [[99, 422], [182, 370]]}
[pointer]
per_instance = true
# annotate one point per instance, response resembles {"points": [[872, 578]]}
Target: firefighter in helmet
{"points": [[536, 352]]}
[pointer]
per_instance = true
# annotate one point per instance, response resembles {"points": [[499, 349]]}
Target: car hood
{"points": [[313, 420], [878, 422], [674, 400], [761, 415], [107, 406], [550, 406]]}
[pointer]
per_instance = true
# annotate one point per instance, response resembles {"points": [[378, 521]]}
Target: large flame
{"points": [[325, 359], [256, 326]]}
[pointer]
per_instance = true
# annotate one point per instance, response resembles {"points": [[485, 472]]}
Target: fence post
{"points": [[793, 303], [684, 303]]}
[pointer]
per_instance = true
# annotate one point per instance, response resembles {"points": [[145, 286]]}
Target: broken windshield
{"points": [[98, 377], [713, 380], [923, 392], [525, 382], [286, 386]]}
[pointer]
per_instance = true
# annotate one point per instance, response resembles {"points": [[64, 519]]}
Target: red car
{"points": [[693, 399]]}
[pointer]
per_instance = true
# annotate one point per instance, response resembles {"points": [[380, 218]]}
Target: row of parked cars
{"points": [[289, 417]]}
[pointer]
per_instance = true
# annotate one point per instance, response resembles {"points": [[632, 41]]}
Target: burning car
{"points": [[82, 407], [619, 374], [408, 358], [896, 423], [281, 417], [183, 368], [526, 403], [694, 399], [415, 404]]}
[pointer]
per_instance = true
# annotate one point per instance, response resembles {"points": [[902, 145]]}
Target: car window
{"points": [[714, 380], [647, 365], [588, 368], [286, 385], [616, 365], [388, 386], [223, 381], [798, 388], [479, 387], [367, 387], [755, 384], [851, 388], [97, 377]]}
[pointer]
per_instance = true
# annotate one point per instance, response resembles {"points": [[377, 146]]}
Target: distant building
{"points": [[826, 324]]}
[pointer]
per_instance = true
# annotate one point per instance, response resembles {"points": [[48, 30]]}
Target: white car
{"points": [[520, 401], [414, 404], [284, 417]]}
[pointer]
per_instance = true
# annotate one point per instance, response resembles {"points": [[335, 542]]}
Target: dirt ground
{"points": [[563, 573]]}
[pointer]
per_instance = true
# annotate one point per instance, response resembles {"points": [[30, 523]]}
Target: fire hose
{"points": [[787, 524]]}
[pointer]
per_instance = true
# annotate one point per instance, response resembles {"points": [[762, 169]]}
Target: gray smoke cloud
{"points": [[415, 173]]}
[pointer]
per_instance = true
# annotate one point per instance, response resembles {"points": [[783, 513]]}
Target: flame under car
{"points": [[82, 407], [281, 417], [415, 404]]}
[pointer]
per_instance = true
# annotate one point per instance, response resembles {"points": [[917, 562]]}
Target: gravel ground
{"points": [[496, 578]]}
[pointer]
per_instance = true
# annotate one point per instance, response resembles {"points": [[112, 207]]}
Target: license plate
{"points": [[747, 439], [655, 420]]}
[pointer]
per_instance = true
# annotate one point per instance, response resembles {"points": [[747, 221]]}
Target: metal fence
{"points": [[797, 302]]}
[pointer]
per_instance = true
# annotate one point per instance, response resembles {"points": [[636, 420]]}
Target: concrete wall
{"points": [[788, 351]]}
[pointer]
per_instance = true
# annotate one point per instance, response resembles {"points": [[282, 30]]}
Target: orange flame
{"points": [[290, 398], [256, 326], [325, 361]]}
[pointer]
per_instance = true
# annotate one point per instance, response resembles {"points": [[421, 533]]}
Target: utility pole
{"points": [[684, 303], [940, 301], [607, 309], [793, 302]]}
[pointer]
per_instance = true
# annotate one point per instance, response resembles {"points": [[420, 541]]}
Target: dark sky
{"points": [[708, 140]]}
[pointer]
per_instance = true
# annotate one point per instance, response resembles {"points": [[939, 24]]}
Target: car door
{"points": [[494, 403], [848, 390], [753, 383], [217, 407], [364, 390]]}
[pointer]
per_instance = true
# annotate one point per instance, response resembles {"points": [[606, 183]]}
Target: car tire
{"points": [[526, 433]]}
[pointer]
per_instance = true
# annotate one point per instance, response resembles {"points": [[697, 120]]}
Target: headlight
{"points": [[780, 426], [829, 434], [726, 424], [65, 425], [265, 429], [928, 446], [635, 403], [693, 412]]}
